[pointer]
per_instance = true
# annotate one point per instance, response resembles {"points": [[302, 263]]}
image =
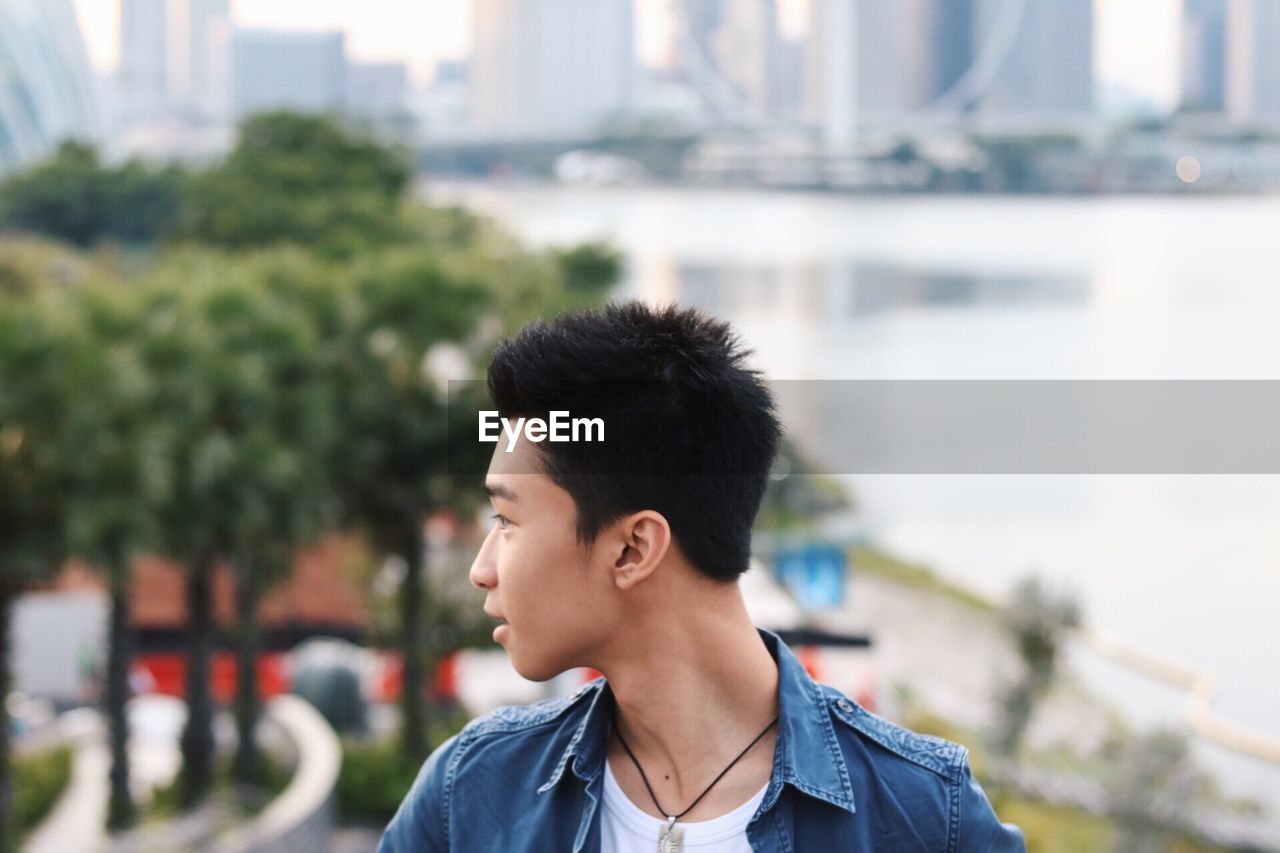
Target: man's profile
{"points": [[704, 733]]}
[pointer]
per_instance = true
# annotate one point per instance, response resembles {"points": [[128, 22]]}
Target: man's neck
{"points": [[692, 690]]}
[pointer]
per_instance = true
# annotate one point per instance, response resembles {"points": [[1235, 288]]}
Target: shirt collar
{"points": [[807, 757]]}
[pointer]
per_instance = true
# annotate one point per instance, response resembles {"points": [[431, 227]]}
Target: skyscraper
{"points": [[208, 59], [877, 63], [278, 69], [1252, 77], [1046, 73], [46, 91], [747, 51], [145, 76], [1204, 43], [550, 66], [377, 90]]}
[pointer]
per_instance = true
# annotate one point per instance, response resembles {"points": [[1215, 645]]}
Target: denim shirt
{"points": [[530, 778]]}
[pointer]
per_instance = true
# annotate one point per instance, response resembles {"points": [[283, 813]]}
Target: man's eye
{"points": [[501, 519]]}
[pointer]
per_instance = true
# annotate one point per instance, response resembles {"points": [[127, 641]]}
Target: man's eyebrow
{"points": [[500, 491]]}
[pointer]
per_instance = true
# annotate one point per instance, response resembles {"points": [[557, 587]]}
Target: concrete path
{"points": [[78, 820]]}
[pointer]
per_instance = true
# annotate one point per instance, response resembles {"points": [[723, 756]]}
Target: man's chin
{"points": [[533, 670]]}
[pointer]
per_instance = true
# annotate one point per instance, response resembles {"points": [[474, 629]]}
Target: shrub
{"points": [[40, 780]]}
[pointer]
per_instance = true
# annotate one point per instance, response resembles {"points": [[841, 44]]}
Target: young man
{"points": [[623, 555]]}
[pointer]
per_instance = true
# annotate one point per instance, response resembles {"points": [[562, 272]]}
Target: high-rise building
{"points": [[377, 89], [951, 33], [277, 69], [1045, 72], [1203, 54], [877, 63], [208, 59], [145, 76], [547, 67], [46, 89], [1252, 75], [747, 51]]}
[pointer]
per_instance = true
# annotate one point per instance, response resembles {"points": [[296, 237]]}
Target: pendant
{"points": [[670, 838]]}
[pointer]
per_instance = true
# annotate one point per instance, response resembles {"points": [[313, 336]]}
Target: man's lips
{"points": [[502, 627]]}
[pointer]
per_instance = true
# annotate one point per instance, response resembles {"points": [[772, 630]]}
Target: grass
{"points": [[1047, 828], [881, 564], [39, 781]]}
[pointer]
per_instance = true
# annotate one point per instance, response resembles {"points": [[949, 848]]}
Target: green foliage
{"points": [[31, 493], [165, 801], [242, 389], [374, 779], [1153, 783], [1054, 829], [40, 780], [29, 264], [260, 377], [74, 197], [376, 776], [301, 179], [1039, 620], [589, 269]]}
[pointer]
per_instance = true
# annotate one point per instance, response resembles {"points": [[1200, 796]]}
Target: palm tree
{"points": [[30, 497], [1039, 619]]}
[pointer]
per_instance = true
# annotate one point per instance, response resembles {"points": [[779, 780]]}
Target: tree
{"points": [[233, 356], [295, 427], [394, 430], [72, 196], [1154, 787], [30, 500], [113, 458], [1039, 619], [301, 179]]}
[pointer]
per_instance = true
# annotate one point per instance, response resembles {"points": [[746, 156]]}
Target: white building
{"points": [[550, 67], [873, 64], [1203, 54], [377, 90], [1252, 85], [208, 60], [276, 69], [1044, 73], [748, 48], [145, 77]]}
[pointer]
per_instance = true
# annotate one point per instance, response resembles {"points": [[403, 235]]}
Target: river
{"points": [[826, 286]]}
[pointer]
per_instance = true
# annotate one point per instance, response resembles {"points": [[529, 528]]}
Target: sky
{"points": [[1135, 41]]}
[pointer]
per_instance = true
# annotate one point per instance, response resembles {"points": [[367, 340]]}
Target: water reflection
{"points": [[863, 289]]}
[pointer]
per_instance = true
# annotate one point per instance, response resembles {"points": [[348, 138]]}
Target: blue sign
{"points": [[814, 573]]}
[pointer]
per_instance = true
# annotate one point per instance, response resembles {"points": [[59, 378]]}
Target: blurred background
{"points": [[245, 246]]}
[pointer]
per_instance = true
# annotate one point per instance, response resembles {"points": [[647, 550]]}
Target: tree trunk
{"points": [[120, 810], [8, 832], [197, 736], [412, 600], [247, 766]]}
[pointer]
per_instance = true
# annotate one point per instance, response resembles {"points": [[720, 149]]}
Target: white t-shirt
{"points": [[626, 829]]}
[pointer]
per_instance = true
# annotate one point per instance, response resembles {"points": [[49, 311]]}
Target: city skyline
{"points": [[1136, 43]]}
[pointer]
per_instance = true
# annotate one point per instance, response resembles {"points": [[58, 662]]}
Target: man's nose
{"points": [[484, 572]]}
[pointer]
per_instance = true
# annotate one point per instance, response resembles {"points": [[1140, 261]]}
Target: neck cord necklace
{"points": [[670, 837]]}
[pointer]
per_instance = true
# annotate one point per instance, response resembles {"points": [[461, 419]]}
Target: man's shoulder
{"points": [[887, 744], [509, 730]]}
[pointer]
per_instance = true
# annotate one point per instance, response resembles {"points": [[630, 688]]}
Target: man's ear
{"points": [[638, 542]]}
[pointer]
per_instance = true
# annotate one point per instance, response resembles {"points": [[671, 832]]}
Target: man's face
{"points": [[553, 593]]}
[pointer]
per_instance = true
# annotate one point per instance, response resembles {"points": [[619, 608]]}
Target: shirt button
{"points": [[844, 705]]}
